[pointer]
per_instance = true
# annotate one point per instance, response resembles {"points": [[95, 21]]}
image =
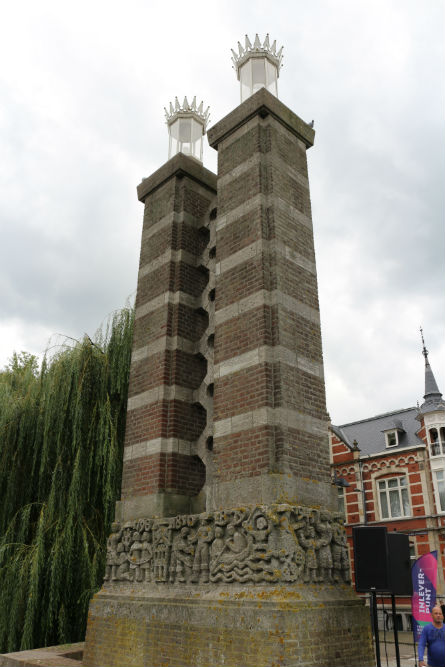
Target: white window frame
{"points": [[341, 499], [437, 483], [392, 432], [389, 491]]}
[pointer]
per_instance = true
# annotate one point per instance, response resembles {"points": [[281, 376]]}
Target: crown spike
{"points": [[240, 49], [200, 108], [194, 103], [266, 43], [257, 43], [273, 48], [177, 106], [248, 44]]}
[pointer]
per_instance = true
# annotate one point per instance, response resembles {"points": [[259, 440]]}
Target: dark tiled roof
{"points": [[433, 397], [369, 432], [430, 381]]}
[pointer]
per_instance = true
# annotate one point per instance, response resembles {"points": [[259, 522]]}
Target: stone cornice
{"points": [[262, 104], [180, 165]]}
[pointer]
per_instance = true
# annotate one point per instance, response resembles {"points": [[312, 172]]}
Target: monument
{"points": [[227, 549]]}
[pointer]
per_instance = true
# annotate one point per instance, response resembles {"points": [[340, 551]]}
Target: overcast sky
{"points": [[82, 91]]}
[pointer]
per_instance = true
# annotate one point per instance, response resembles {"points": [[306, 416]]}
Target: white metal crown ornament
{"points": [[187, 124], [257, 66]]}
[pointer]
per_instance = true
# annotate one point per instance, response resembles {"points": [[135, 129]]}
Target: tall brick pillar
{"points": [[227, 380], [270, 422], [163, 474]]}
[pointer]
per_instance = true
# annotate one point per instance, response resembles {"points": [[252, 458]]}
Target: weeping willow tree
{"points": [[61, 439]]}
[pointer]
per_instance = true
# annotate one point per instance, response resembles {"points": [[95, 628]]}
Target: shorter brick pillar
{"points": [[163, 473]]}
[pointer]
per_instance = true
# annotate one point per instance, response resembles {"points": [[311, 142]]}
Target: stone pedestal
{"points": [[265, 627], [251, 586], [227, 549]]}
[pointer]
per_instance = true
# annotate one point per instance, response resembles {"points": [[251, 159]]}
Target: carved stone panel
{"points": [[260, 544]]}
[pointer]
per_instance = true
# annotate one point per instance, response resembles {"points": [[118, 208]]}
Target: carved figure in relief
{"points": [[161, 551], [123, 565], [135, 557], [181, 561], [288, 554], [231, 564], [112, 555], [307, 539], [127, 535], [217, 546], [264, 560], [324, 530], [340, 555], [146, 556], [235, 546], [202, 538], [260, 533]]}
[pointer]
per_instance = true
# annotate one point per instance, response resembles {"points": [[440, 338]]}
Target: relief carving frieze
{"points": [[261, 544]]}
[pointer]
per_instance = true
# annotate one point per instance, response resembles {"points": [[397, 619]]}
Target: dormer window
{"points": [[392, 438], [394, 433]]}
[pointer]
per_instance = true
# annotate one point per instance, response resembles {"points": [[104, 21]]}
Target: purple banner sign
{"points": [[424, 575]]}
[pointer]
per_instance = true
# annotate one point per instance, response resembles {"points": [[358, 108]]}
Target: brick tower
{"points": [[226, 548]]}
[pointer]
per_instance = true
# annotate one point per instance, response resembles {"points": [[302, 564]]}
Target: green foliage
{"points": [[61, 439]]}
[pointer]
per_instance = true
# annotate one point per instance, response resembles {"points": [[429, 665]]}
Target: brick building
{"points": [[390, 470]]}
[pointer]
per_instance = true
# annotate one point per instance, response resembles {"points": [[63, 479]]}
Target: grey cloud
{"points": [[83, 123]]}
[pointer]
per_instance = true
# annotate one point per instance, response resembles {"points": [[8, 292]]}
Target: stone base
{"points": [[64, 655], [235, 626]]}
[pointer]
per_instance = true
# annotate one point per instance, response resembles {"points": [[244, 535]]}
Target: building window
{"points": [[341, 499], [437, 440], [393, 496], [440, 481], [391, 439]]}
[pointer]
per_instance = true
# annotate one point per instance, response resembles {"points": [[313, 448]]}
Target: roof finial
{"points": [[424, 351]]}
